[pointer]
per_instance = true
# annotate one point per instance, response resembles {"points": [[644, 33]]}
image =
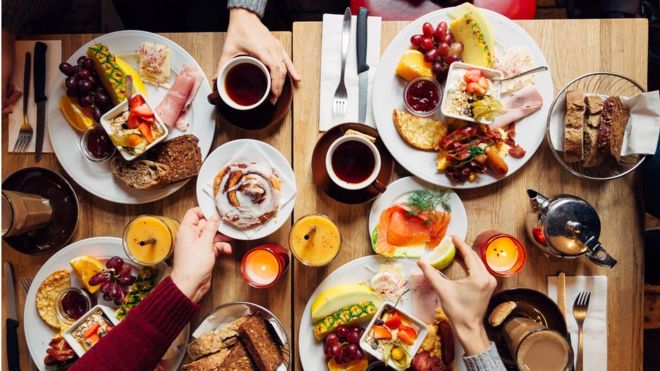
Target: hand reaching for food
{"points": [[197, 245], [465, 300], [247, 35]]}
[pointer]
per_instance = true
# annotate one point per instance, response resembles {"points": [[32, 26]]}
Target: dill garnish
{"points": [[427, 200]]}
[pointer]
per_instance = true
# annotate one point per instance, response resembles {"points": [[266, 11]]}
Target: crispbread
{"points": [[420, 132], [46, 299]]}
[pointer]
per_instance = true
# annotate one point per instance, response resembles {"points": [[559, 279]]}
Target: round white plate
{"points": [[397, 192], [388, 94], [220, 157], [310, 350], [37, 333], [96, 178]]}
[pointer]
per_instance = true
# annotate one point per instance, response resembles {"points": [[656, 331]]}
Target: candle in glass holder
{"points": [[149, 239], [503, 254], [314, 240], [264, 265]]}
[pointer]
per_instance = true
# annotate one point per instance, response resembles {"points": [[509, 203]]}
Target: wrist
{"points": [[241, 15], [473, 338], [184, 284]]}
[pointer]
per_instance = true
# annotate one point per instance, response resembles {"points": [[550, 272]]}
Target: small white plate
{"points": [[397, 192], [223, 155]]}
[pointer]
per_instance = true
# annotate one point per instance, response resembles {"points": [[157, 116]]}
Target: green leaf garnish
{"points": [[427, 200]]}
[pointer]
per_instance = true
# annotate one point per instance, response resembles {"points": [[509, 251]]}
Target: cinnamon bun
{"points": [[247, 194]]}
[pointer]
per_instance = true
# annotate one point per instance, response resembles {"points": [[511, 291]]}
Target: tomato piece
{"points": [[381, 333], [407, 334], [92, 330], [135, 101], [145, 129], [394, 321], [517, 152], [133, 121], [143, 111]]}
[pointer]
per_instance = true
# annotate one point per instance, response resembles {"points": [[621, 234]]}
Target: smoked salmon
{"points": [[400, 232]]}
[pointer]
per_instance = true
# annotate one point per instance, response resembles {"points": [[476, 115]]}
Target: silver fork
{"points": [[25, 133], [580, 308], [340, 100], [25, 284]]}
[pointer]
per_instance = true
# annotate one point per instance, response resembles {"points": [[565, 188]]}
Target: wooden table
{"points": [[102, 218], [572, 47]]}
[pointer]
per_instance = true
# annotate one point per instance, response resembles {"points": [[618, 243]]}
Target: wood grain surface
{"points": [[103, 218], [572, 48]]}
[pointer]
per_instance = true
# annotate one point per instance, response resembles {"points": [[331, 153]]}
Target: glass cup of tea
{"points": [[536, 347], [353, 163], [23, 212], [243, 83]]}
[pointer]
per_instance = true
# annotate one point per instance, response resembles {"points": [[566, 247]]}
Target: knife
{"points": [[27, 73], [362, 66], [40, 95], [12, 323], [561, 293]]}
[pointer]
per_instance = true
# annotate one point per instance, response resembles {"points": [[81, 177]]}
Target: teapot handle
{"points": [[598, 255]]}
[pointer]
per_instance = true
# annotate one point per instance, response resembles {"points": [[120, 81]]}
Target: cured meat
{"points": [[172, 110], [425, 298], [519, 104]]}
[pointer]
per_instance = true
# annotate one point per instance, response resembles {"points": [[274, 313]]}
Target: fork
{"points": [[25, 284], [25, 133], [580, 308], [340, 100]]}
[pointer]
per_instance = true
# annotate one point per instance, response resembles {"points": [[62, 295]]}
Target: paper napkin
{"points": [[595, 325], [251, 152], [331, 68], [15, 119]]}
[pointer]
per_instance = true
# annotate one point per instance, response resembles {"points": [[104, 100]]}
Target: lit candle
{"points": [[502, 254], [264, 265]]}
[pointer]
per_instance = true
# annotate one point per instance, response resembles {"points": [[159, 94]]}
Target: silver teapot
{"points": [[566, 227]]}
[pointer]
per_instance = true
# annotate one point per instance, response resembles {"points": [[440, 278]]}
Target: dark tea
{"points": [[246, 84], [353, 161]]}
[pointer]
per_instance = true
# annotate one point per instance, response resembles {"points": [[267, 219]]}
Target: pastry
{"points": [[501, 312]]}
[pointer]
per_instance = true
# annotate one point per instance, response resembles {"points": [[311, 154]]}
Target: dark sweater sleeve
{"points": [[487, 361], [142, 338], [255, 6]]}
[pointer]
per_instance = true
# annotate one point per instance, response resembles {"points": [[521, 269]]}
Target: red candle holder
{"points": [[503, 254], [263, 266]]}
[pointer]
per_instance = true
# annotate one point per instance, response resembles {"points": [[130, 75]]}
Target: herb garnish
{"points": [[427, 200]]}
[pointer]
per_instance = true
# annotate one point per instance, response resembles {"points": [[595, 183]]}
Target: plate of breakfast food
{"points": [[121, 140], [444, 112], [239, 336], [80, 294], [412, 217], [355, 317], [250, 185]]}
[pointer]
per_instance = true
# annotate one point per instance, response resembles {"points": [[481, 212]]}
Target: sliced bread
{"points": [[215, 340], [235, 358], [182, 154], [613, 121], [140, 174], [594, 105], [574, 126], [263, 349]]}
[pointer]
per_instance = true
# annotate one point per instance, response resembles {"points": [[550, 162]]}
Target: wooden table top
{"points": [[572, 48]]}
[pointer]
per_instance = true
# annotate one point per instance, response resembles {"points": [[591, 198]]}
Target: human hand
{"points": [[465, 300], [9, 94], [247, 35], [197, 245]]}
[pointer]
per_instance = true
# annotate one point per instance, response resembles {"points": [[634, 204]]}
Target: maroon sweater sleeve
{"points": [[142, 338]]}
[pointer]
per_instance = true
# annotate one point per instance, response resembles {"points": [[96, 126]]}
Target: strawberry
{"points": [[381, 333], [472, 76], [143, 111], [474, 88], [133, 121], [394, 321], [145, 129], [135, 101], [407, 334]]}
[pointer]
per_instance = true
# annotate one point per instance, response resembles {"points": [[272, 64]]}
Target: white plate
{"points": [[397, 192], [37, 333], [310, 350], [96, 177], [219, 158], [388, 94]]}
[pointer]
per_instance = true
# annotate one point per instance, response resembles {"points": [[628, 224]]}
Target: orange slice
{"points": [[85, 267], [412, 65], [80, 118]]}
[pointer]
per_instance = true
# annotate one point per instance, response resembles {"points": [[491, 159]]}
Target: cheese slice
{"points": [[155, 63]]}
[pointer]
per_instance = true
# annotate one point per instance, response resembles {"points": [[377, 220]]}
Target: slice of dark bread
{"points": [[140, 174], [574, 126], [183, 156], [263, 349], [594, 105], [613, 121]]}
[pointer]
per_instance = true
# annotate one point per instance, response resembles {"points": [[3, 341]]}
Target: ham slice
{"points": [[425, 298], [519, 104], [172, 110]]}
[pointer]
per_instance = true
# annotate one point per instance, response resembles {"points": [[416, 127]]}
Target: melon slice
{"points": [[476, 48]]}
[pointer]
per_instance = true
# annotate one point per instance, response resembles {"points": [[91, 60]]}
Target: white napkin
{"points": [[331, 68], [252, 153], [53, 60], [595, 325]]}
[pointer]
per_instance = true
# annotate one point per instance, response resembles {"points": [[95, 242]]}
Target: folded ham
{"points": [[172, 110], [518, 104], [425, 298]]}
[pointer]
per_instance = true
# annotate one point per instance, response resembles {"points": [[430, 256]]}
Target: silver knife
{"points": [[40, 95], [12, 321], [362, 66]]}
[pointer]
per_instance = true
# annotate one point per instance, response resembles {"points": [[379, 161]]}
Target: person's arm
{"points": [[465, 302], [142, 338]]}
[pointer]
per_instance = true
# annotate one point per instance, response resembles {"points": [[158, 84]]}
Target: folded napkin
{"points": [[331, 68], [15, 119], [595, 325], [253, 153]]}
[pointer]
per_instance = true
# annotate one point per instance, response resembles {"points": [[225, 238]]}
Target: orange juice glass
{"points": [[503, 254], [264, 265], [315, 240], [149, 239]]}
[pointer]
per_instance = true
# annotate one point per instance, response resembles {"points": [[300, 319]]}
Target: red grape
{"points": [[451, 58], [96, 115], [427, 29], [67, 69], [431, 55], [442, 26], [448, 39], [72, 92], [443, 49], [438, 35], [351, 351], [342, 331], [93, 80], [71, 82], [437, 67], [126, 280], [360, 354], [87, 64], [335, 350], [427, 43], [115, 290], [125, 268], [84, 86], [105, 287], [353, 337], [456, 48], [332, 339], [416, 40], [115, 263], [97, 279], [83, 73], [81, 59]]}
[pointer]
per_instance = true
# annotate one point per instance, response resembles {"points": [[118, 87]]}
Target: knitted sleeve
{"points": [[486, 361], [256, 6]]}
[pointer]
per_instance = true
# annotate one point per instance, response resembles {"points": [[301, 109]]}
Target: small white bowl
{"points": [[455, 75], [68, 333], [220, 82], [119, 110]]}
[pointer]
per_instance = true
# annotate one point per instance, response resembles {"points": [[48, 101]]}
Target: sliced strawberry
{"points": [[474, 88], [143, 111], [135, 101], [145, 129], [394, 321], [407, 334], [381, 333], [133, 121], [483, 82], [472, 76]]}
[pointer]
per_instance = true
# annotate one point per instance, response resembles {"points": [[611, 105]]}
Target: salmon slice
{"points": [[382, 246], [396, 229], [407, 230], [438, 228]]}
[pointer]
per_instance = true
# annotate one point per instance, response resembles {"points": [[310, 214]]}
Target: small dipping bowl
{"points": [[102, 150], [72, 304], [422, 96]]}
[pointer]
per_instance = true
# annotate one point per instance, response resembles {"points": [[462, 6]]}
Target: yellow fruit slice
{"points": [[85, 267], [337, 297], [482, 20], [476, 47], [357, 365], [442, 255], [138, 84], [412, 65], [80, 118]]}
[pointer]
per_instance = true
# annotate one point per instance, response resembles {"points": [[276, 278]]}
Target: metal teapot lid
{"points": [[569, 222]]}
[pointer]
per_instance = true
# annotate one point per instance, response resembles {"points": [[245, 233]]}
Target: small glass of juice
{"points": [[503, 254], [149, 239], [315, 240], [264, 265]]}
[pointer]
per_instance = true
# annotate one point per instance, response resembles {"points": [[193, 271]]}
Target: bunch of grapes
{"points": [[115, 280], [342, 345], [439, 48], [83, 82]]}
